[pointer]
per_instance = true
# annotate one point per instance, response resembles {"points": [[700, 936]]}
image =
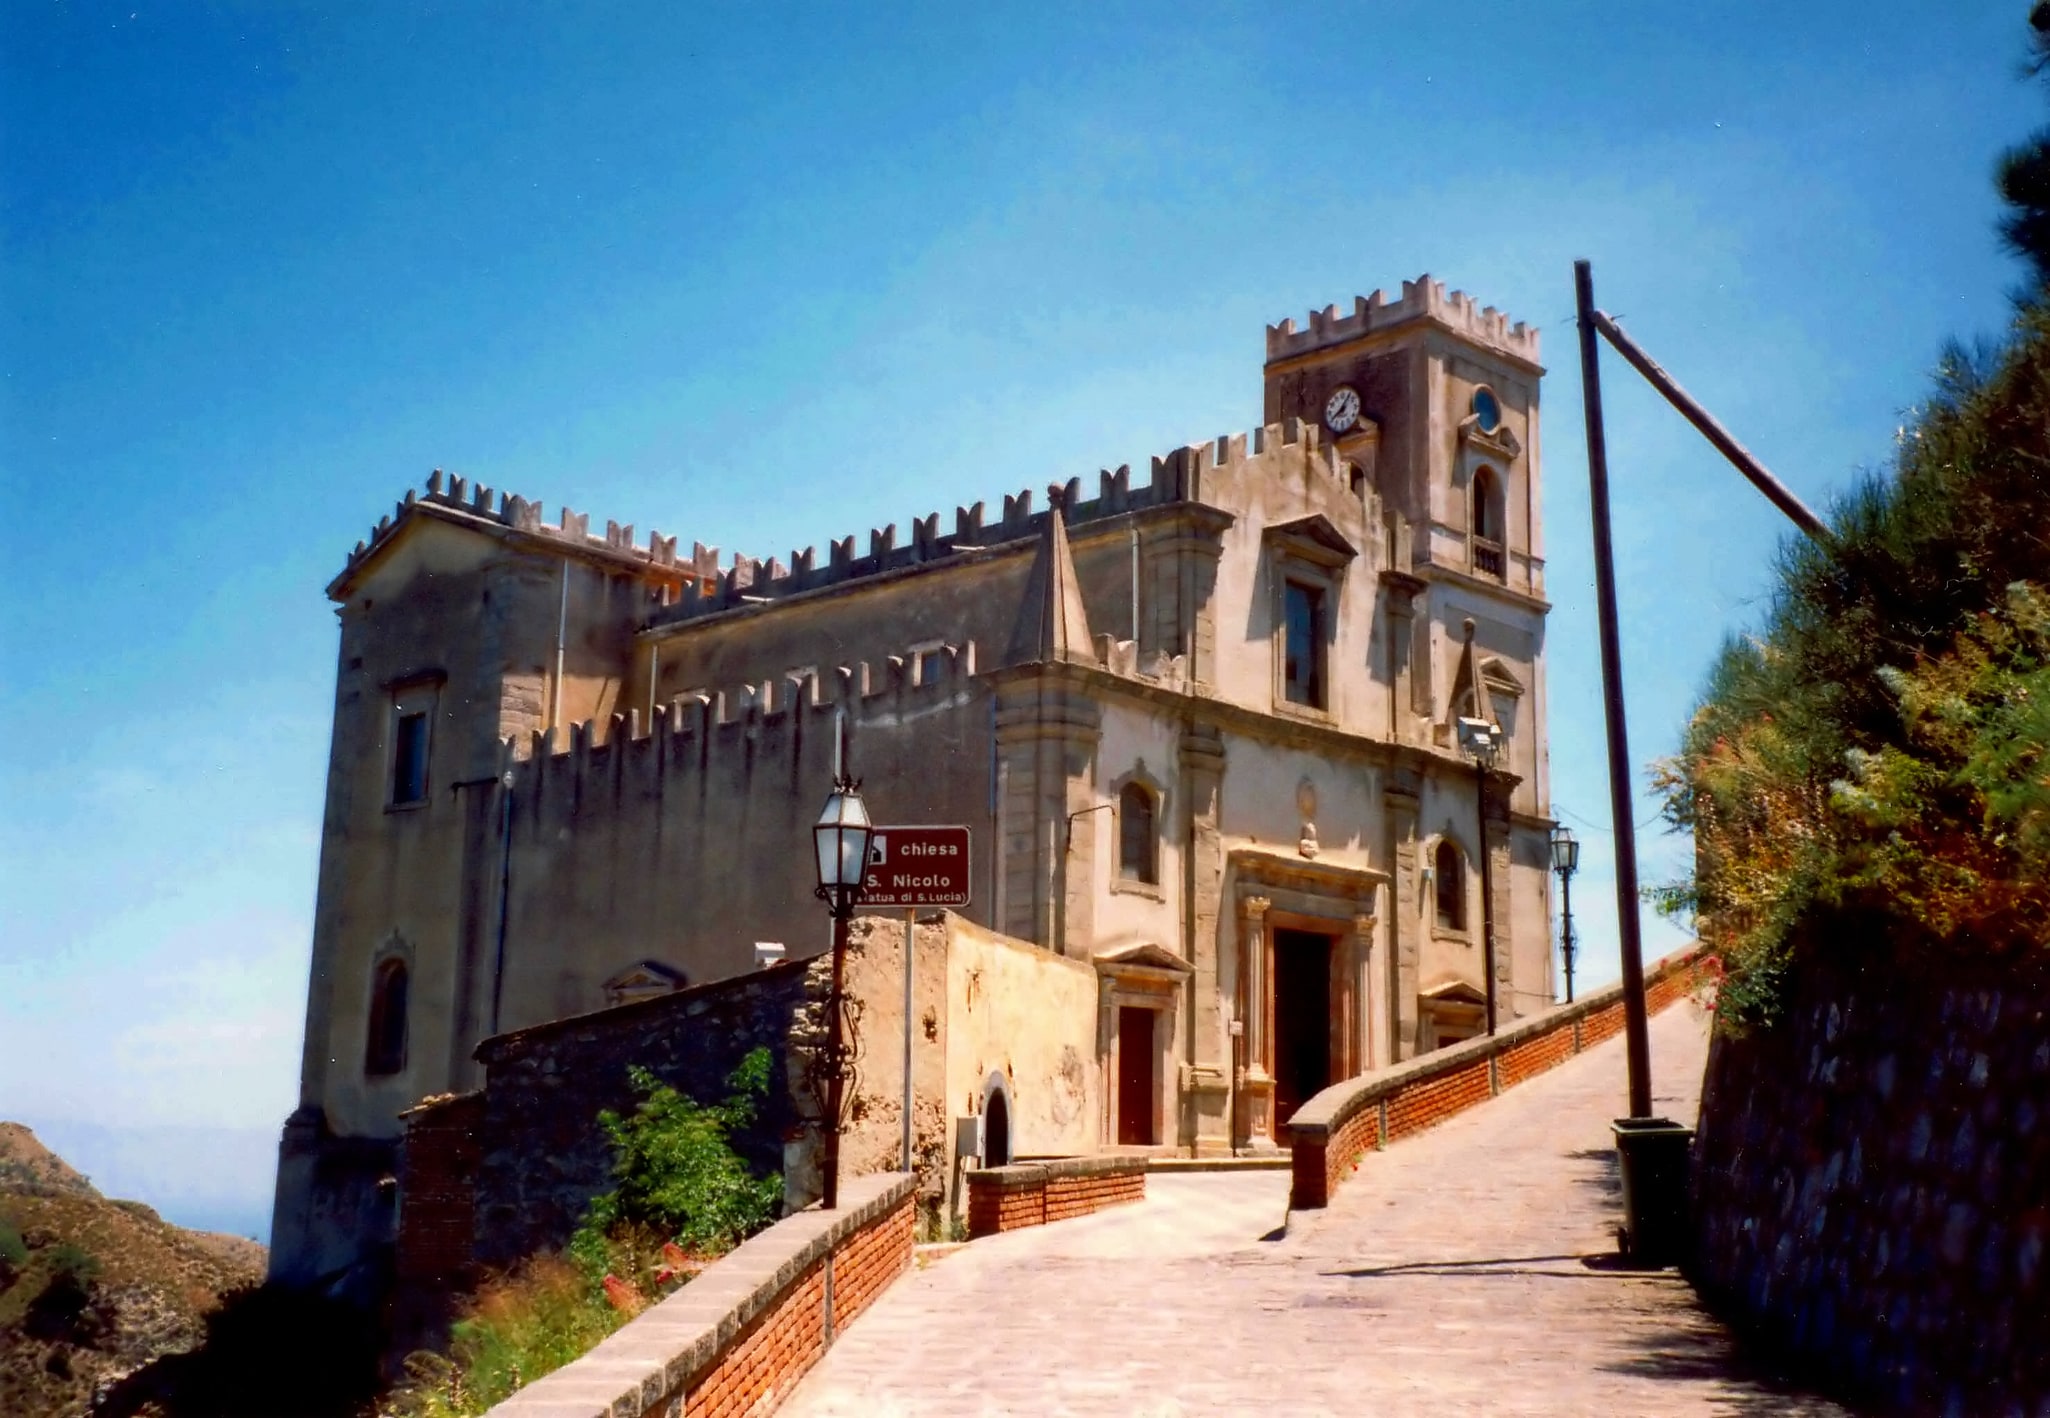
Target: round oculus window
{"points": [[1487, 409]]}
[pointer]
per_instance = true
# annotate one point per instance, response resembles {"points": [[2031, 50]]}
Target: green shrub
{"points": [[13, 1250], [516, 1329], [676, 1173], [678, 1183]]}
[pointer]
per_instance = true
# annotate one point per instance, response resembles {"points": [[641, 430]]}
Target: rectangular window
{"points": [[1303, 644], [409, 760]]}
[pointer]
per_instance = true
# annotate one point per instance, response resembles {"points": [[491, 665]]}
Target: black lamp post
{"points": [[1566, 861], [1482, 742], [841, 837]]}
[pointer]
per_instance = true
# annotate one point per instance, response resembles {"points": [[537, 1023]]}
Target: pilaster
{"points": [[1400, 803], [1047, 734], [1205, 1125], [1256, 1084]]}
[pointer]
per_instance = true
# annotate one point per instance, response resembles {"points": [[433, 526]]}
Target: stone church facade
{"points": [[1202, 728]]}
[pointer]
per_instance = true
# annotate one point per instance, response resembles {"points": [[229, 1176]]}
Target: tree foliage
{"points": [[1871, 766]]}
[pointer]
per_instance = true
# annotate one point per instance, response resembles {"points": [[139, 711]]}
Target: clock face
{"points": [[1342, 409]]}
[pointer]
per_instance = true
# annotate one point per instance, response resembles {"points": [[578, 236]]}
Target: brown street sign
{"points": [[917, 866]]}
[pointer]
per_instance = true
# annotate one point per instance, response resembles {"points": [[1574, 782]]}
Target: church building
{"points": [[1204, 728]]}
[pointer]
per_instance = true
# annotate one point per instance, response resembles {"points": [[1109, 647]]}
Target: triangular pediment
{"points": [[1314, 538], [1143, 954], [644, 979], [1455, 992], [1499, 679], [1501, 443]]}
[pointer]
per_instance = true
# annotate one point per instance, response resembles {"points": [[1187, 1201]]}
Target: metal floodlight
{"points": [[1565, 850], [1480, 739], [841, 838]]}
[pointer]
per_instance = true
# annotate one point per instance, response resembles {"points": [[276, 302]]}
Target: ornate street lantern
{"points": [[840, 842]]}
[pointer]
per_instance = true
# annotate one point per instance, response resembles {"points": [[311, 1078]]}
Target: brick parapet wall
{"points": [[739, 1337], [1034, 1193], [1331, 1132]]}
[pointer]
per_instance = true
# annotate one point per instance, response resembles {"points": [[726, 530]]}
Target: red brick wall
{"points": [[1533, 1056], [1358, 1136], [1430, 1101], [437, 1208], [1012, 1201], [1320, 1163], [770, 1354], [1604, 1023], [869, 1262], [784, 1341]]}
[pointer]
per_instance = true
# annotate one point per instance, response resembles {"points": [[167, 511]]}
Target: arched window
{"points": [[1450, 868], [384, 1050], [1487, 523], [1357, 476], [1138, 847]]}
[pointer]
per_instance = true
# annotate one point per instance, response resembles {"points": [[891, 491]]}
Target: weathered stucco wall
{"points": [[1872, 1185], [1031, 1016]]}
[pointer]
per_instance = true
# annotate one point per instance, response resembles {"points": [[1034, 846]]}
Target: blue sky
{"points": [[763, 275]]}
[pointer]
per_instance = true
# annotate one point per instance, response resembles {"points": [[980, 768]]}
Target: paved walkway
{"points": [[1460, 1272]]}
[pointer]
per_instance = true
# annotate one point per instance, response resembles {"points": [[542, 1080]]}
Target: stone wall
{"points": [[544, 1156], [1331, 1134], [738, 1338], [1872, 1187]]}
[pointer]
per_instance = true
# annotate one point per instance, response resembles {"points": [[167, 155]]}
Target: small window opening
{"points": [[1303, 648], [385, 1048], [409, 760], [1138, 859], [1450, 868]]}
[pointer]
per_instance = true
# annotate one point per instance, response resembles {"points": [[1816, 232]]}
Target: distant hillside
{"points": [[27, 1168], [92, 1289]]}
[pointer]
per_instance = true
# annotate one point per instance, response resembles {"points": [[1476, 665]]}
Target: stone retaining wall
{"points": [[738, 1338], [1330, 1133], [1034, 1193], [1872, 1186]]}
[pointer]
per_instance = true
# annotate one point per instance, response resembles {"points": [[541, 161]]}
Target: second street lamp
{"points": [[840, 838], [1482, 741], [1565, 861]]}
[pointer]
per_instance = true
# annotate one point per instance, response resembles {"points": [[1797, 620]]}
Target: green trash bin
{"points": [[1653, 1157]]}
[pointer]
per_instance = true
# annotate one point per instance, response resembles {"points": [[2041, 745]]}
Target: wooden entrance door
{"points": [[1138, 1087], [1302, 1020]]}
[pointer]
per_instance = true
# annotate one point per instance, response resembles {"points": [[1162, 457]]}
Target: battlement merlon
{"points": [[1177, 486], [1422, 299], [457, 500]]}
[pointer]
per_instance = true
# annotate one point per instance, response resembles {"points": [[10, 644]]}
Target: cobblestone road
{"points": [[1460, 1272]]}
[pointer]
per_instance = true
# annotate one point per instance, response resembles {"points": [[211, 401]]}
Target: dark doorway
{"points": [[1302, 1019], [1137, 1089], [996, 1131]]}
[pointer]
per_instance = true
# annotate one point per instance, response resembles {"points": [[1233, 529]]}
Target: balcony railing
{"points": [[1487, 558]]}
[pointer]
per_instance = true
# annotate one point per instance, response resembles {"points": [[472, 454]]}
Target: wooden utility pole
{"points": [[1637, 1039]]}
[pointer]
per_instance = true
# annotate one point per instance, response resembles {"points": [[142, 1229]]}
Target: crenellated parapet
{"points": [[1176, 477], [729, 730], [476, 502], [1422, 299]]}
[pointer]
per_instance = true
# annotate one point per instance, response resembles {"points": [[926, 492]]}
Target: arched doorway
{"points": [[996, 1128]]}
